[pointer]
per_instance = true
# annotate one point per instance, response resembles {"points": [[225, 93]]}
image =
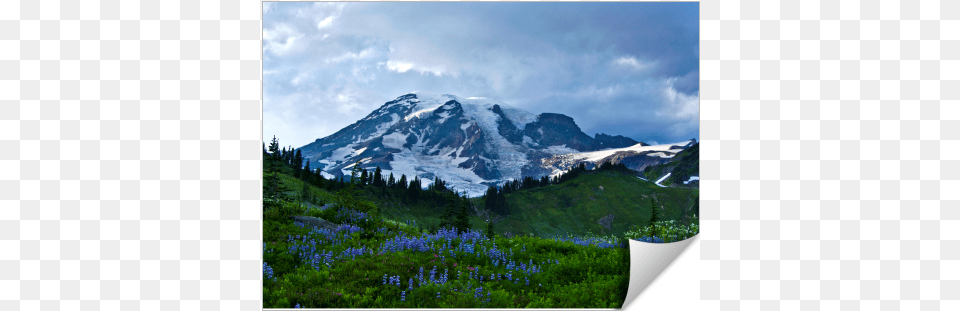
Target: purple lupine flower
{"points": [[268, 271], [403, 296]]}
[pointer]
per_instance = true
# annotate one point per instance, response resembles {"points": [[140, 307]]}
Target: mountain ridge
{"points": [[469, 142]]}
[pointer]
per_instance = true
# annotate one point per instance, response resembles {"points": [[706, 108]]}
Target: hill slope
{"points": [[597, 202], [686, 164]]}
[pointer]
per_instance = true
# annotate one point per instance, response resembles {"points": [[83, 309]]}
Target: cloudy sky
{"points": [[627, 69]]}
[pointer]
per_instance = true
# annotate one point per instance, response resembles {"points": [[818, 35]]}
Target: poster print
{"points": [[473, 155]]}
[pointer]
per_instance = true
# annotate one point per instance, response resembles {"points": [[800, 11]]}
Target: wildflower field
{"points": [[371, 263], [370, 250], [665, 231]]}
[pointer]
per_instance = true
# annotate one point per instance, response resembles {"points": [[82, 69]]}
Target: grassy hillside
{"points": [[686, 165], [375, 259], [577, 205]]}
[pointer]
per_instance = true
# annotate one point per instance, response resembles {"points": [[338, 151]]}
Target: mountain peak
{"points": [[470, 142]]}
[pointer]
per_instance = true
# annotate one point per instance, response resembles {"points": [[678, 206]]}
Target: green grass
{"points": [[586, 268], [686, 165], [576, 206], [571, 275]]}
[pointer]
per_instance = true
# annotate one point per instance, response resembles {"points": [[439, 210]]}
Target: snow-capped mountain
{"points": [[469, 142]]}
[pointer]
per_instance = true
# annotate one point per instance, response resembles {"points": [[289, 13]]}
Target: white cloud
{"points": [[299, 78], [633, 63], [325, 22], [281, 39], [404, 66], [364, 54], [399, 66], [678, 105]]}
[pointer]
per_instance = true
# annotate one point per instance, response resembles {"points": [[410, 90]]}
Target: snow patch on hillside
{"points": [[661, 180], [660, 155], [342, 152], [558, 150], [598, 155], [413, 163], [395, 140]]}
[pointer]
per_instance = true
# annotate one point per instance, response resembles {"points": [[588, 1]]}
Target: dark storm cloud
{"points": [[616, 68]]}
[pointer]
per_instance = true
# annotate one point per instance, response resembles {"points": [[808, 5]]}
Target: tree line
{"points": [[453, 207]]}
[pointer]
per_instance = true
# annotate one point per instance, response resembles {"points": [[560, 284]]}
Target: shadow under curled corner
{"points": [[647, 261]]}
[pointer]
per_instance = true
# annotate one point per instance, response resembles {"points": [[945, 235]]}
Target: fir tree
{"points": [[447, 219], [413, 192], [274, 146], [355, 172], [490, 199], [378, 177], [363, 178], [297, 163], [502, 203], [403, 182], [391, 182], [463, 217], [306, 170], [654, 217], [304, 193], [273, 188], [490, 229]]}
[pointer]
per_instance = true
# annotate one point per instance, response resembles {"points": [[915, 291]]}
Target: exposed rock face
{"points": [[606, 221], [553, 129], [606, 141], [315, 222], [469, 142]]}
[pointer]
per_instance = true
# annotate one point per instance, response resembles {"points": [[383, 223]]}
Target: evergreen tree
{"points": [[321, 182], [304, 193], [391, 182], [355, 173], [463, 217], [274, 146], [490, 199], [298, 160], [490, 229], [273, 188], [403, 182], [363, 178], [306, 170], [378, 178], [413, 192], [502, 203], [447, 219], [654, 217]]}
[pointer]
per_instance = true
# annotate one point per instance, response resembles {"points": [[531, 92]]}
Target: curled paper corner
{"points": [[647, 261]]}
